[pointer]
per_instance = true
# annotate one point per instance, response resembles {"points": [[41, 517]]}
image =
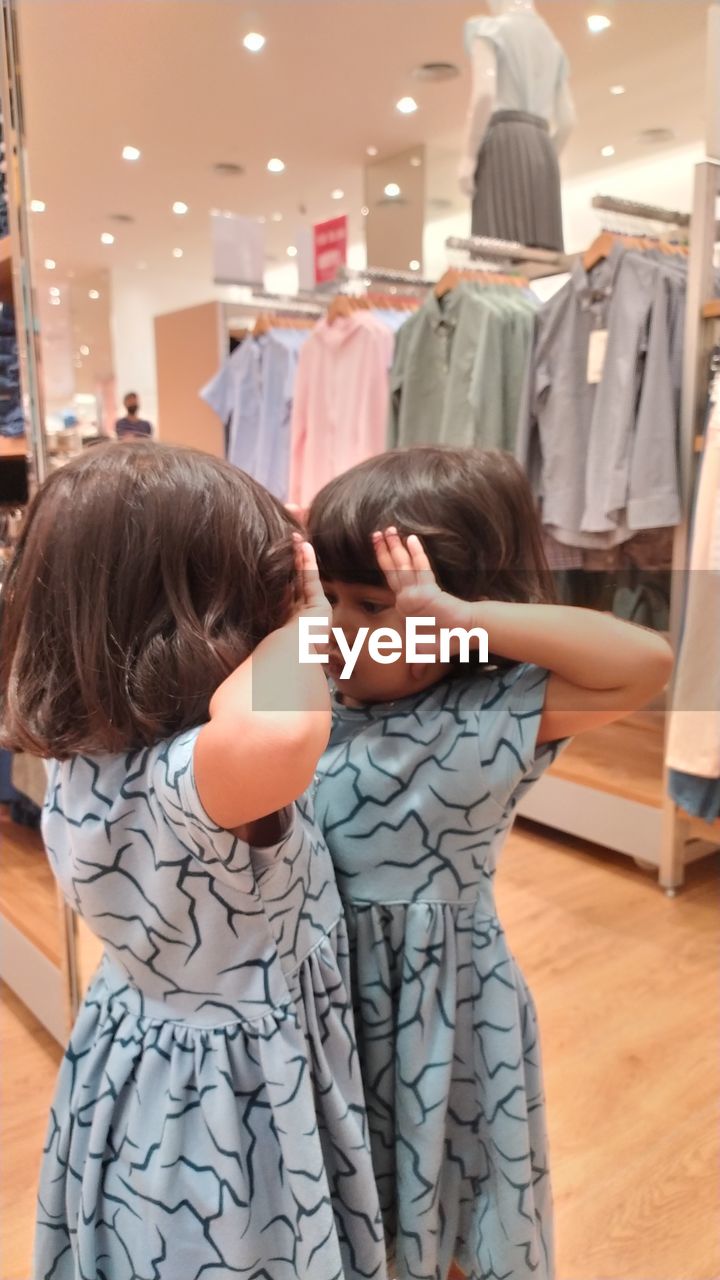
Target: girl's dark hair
{"points": [[143, 576], [472, 509]]}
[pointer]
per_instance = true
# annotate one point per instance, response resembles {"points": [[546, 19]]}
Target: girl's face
{"points": [[354, 606]]}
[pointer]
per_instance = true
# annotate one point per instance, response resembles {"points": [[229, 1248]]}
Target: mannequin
{"points": [[520, 117]]}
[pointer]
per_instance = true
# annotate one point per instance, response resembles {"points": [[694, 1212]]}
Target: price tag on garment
{"points": [[597, 350]]}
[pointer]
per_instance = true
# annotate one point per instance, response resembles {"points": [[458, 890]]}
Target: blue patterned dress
{"points": [[415, 799], [209, 1119]]}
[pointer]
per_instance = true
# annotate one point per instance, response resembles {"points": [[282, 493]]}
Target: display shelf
{"points": [[30, 927], [13, 447], [5, 268], [608, 787], [711, 309]]}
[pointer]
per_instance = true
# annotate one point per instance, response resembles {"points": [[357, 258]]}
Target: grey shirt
{"points": [[602, 457]]}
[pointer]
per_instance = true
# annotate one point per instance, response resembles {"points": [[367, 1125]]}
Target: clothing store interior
{"points": [[209, 211]]}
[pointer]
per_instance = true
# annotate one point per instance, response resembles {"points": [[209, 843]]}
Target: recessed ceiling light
{"points": [[415, 162], [50, 264], [54, 302], [414, 265], [617, 90], [291, 251], [254, 41], [372, 151], [392, 190], [107, 237], [54, 292], [37, 206], [607, 152], [338, 194], [364, 211], [177, 253], [180, 207], [597, 22], [275, 165], [84, 351], [277, 217], [130, 153], [93, 293], [406, 106]]}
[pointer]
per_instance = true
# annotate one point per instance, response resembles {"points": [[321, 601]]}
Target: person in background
{"points": [[132, 426]]}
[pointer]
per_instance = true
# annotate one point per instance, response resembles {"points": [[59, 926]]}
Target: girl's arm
{"points": [[601, 668], [269, 722]]}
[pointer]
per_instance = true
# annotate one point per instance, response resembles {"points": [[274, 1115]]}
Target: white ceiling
{"points": [[172, 77]]}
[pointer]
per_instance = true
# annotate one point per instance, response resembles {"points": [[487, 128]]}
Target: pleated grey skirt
{"points": [[517, 183]]}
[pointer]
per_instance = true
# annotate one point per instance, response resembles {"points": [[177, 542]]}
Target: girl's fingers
{"points": [[418, 556], [385, 560], [312, 594]]}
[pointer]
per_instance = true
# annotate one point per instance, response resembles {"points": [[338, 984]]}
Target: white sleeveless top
{"points": [[531, 64]]}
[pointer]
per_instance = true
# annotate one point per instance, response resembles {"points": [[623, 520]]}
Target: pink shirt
{"points": [[341, 401]]}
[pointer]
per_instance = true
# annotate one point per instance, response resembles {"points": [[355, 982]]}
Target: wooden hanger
{"points": [[341, 307], [263, 325]]}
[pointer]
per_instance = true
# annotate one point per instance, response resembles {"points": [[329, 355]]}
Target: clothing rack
{"points": [[647, 212], [612, 788], [536, 263], [276, 303], [381, 275]]}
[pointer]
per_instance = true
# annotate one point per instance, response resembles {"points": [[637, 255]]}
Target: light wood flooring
{"points": [[626, 983]]}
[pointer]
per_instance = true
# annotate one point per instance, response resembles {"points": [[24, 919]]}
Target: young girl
{"points": [[209, 1119], [416, 795]]}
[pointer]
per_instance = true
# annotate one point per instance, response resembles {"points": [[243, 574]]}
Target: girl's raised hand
{"points": [[311, 597], [409, 576]]}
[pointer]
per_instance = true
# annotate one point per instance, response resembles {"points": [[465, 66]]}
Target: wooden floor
{"points": [[626, 983]]}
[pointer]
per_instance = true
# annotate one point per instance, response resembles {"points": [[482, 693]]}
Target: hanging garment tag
{"points": [[597, 351]]}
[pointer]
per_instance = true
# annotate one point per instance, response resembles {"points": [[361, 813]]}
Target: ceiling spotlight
{"points": [[617, 90], [607, 152], [406, 106], [364, 211], [392, 190], [177, 253], [277, 217], [130, 153], [414, 265], [84, 351], [180, 207], [50, 264], [54, 292], [54, 302], [597, 22], [107, 238], [254, 42], [291, 251], [275, 166], [372, 151], [93, 294], [338, 194], [37, 206]]}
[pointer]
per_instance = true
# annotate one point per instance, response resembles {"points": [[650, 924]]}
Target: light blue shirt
{"points": [[254, 390]]}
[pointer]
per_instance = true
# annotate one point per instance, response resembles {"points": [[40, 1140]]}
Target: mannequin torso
{"points": [[517, 64]]}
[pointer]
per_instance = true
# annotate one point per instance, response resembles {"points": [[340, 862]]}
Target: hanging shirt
{"points": [[254, 390], [341, 392], [599, 445], [531, 65], [694, 735]]}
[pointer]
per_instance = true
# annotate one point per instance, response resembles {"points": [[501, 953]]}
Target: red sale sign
{"points": [[330, 248]]}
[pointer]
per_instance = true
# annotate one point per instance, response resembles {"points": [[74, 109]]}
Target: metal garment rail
{"points": [[382, 275], [648, 212], [536, 263]]}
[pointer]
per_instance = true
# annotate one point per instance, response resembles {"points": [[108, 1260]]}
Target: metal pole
{"points": [[18, 207]]}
